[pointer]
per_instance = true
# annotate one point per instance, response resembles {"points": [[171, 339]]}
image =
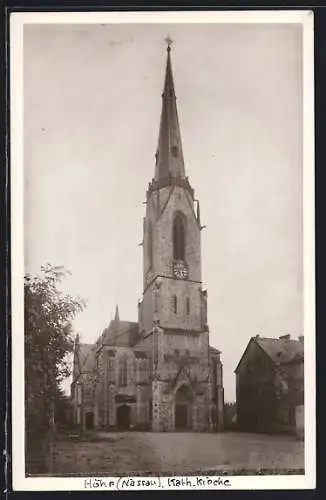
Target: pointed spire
{"points": [[169, 155], [116, 317], [198, 212]]}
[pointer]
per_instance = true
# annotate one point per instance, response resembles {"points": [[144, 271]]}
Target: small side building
{"points": [[270, 385]]}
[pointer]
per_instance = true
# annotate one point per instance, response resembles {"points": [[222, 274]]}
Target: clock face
{"points": [[180, 270]]}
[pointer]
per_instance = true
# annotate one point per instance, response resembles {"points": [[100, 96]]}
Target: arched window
{"points": [[179, 238], [175, 304], [188, 305], [123, 371]]}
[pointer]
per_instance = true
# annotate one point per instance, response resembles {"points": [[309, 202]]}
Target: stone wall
{"points": [[147, 379], [182, 361], [173, 199], [256, 398], [122, 377]]}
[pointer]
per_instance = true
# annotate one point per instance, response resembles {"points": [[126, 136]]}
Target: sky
{"points": [[92, 103]]}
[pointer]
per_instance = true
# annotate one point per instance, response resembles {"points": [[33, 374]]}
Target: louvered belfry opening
{"points": [[179, 238]]}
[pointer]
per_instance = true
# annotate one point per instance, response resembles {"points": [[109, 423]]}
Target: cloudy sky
{"points": [[92, 99]]}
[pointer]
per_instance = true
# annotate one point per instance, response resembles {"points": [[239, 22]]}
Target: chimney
{"points": [[285, 337], [301, 338]]}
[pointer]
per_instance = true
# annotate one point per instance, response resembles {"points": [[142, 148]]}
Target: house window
{"points": [[123, 371], [175, 304], [179, 237], [188, 305]]}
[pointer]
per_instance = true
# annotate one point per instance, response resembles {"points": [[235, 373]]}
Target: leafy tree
{"points": [[48, 338], [62, 409], [230, 412]]}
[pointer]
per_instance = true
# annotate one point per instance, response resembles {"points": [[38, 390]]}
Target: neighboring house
{"points": [[160, 372], [270, 385]]}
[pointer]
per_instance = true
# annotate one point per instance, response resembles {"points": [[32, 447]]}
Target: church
{"points": [[159, 373]]}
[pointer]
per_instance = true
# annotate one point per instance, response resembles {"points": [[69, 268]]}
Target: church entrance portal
{"points": [[89, 420], [183, 409], [181, 419], [123, 417]]}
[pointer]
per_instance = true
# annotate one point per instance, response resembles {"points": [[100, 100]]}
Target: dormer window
{"points": [[174, 151]]}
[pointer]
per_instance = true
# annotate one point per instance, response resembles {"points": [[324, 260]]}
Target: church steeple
{"points": [[117, 317], [169, 154], [172, 232]]}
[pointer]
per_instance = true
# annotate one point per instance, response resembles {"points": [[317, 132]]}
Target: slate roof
{"points": [[281, 350], [120, 333], [167, 162]]}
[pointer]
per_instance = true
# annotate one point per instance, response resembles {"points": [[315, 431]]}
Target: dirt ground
{"points": [[144, 453]]}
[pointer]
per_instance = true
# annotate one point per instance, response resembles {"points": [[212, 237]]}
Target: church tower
{"points": [[186, 373], [160, 372]]}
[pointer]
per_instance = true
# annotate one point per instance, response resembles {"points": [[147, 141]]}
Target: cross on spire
{"points": [[169, 42]]}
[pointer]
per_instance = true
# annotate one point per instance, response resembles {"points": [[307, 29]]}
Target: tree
{"points": [[62, 416], [230, 415], [48, 339]]}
